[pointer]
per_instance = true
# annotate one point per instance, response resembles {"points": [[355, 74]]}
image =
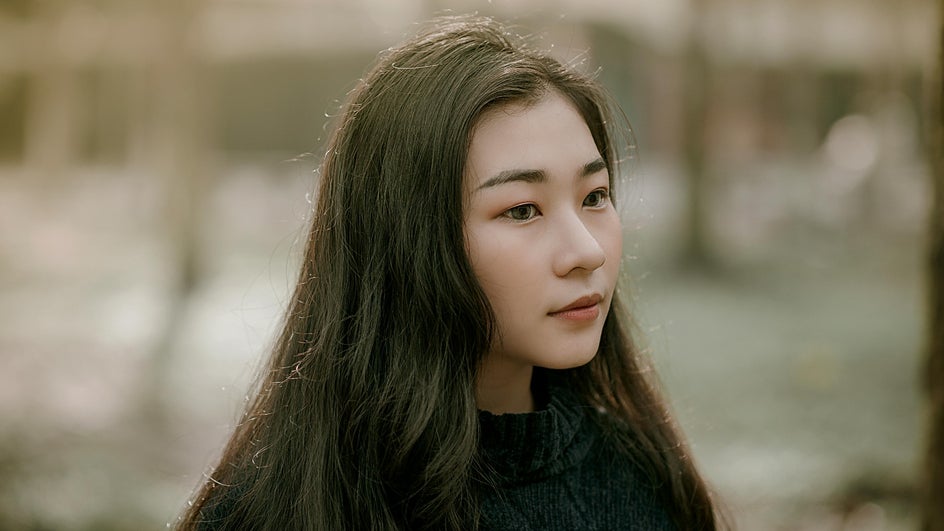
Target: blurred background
{"points": [[156, 163]]}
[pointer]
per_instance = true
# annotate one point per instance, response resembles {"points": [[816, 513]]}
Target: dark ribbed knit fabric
{"points": [[553, 470]]}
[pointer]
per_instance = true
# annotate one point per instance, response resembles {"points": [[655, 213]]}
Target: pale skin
{"points": [[544, 240]]}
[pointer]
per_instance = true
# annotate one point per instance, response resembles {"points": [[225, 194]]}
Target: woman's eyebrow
{"points": [[593, 166], [538, 176], [507, 176]]}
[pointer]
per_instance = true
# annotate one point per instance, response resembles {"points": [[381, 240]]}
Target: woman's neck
{"points": [[504, 386]]}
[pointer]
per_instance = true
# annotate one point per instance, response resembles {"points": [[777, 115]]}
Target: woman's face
{"points": [[543, 237]]}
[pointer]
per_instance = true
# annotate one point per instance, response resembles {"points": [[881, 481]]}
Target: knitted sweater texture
{"points": [[554, 470]]}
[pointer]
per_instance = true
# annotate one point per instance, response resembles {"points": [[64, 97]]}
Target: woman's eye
{"points": [[521, 212], [596, 198]]}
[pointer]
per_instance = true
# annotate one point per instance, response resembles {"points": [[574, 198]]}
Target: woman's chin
{"points": [[569, 360]]}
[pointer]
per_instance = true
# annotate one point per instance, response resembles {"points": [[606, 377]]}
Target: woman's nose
{"points": [[577, 248]]}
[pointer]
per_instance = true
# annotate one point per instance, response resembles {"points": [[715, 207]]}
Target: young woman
{"points": [[455, 355]]}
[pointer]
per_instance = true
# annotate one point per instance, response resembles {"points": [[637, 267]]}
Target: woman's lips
{"points": [[585, 308], [582, 313]]}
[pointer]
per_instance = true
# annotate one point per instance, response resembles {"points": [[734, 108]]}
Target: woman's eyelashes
{"points": [[523, 212], [596, 199]]}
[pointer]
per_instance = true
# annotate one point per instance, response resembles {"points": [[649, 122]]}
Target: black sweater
{"points": [[555, 470], [552, 470]]}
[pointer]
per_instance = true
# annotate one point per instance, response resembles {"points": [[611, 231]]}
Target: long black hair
{"points": [[366, 417]]}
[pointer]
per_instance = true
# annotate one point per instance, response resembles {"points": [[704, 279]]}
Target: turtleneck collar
{"points": [[524, 447]]}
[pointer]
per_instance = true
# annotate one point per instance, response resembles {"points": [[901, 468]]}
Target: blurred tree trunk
{"points": [[695, 251], [52, 102], [181, 157], [933, 503], [801, 106]]}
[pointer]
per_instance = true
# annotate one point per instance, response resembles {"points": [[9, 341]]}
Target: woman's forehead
{"points": [[519, 136]]}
